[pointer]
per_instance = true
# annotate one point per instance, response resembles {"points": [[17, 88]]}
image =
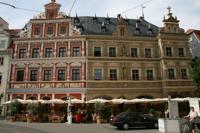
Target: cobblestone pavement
{"points": [[18, 127]]}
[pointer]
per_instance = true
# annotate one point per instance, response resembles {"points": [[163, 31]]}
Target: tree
{"points": [[196, 72]]}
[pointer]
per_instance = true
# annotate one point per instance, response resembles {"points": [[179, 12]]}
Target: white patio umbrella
{"points": [[75, 100], [8, 102], [120, 101], [43, 101], [141, 100], [56, 101], [98, 100]]}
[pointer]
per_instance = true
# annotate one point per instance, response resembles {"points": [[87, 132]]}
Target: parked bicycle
{"points": [[186, 125]]}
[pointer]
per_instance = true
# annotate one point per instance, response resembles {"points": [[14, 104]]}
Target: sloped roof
{"points": [[93, 26], [196, 32], [13, 32]]}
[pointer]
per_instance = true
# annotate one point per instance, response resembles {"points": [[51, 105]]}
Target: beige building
{"points": [[133, 58], [4, 57]]}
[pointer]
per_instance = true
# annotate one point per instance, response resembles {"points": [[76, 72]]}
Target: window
{"points": [[20, 75], [47, 75], [49, 30], [148, 53], [3, 44], [113, 74], [35, 53], [0, 80], [134, 52], [169, 52], [62, 30], [149, 74], [75, 74], [135, 74], [97, 51], [97, 74], [33, 75], [49, 52], [171, 74], [61, 75], [62, 52], [22, 53], [37, 31], [112, 52], [181, 52], [184, 73], [1, 61], [76, 51]]}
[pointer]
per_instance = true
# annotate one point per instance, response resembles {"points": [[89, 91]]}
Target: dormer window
{"points": [[103, 27], [107, 21], [76, 20], [137, 31], [95, 19], [122, 31], [80, 27]]}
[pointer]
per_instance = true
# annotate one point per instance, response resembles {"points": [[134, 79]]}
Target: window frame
{"points": [[75, 77], [97, 77], [169, 73], [35, 54], [35, 75], [168, 53], [135, 76], [132, 52], [60, 75], [112, 53], [148, 55], [47, 75], [181, 53], [97, 53], [48, 52], [184, 75], [22, 53], [113, 76], [62, 52], [76, 51], [18, 78]]}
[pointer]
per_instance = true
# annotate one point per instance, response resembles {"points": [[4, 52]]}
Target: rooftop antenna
{"points": [[142, 6]]}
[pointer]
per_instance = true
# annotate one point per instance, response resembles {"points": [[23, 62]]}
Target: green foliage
{"points": [[15, 107], [196, 71], [102, 109], [32, 108]]}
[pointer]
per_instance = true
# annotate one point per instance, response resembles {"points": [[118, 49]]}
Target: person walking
{"points": [[191, 116]]}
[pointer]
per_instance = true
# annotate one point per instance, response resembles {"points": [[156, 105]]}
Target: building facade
{"points": [[194, 42], [4, 58], [138, 59], [48, 61], [58, 56]]}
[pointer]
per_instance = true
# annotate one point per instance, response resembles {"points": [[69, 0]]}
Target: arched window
{"points": [[46, 98], [32, 98]]}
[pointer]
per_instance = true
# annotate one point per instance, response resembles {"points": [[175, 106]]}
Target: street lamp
{"points": [[69, 112]]}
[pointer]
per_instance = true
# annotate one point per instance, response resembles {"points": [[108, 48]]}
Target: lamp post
{"points": [[69, 113]]}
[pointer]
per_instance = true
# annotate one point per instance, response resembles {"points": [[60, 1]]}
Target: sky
{"points": [[187, 11]]}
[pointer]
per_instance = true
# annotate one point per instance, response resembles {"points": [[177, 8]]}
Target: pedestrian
{"points": [[192, 115]]}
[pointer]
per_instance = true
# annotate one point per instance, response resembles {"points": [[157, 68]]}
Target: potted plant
{"points": [[31, 109], [14, 110]]}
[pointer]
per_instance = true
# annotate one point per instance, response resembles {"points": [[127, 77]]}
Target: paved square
{"points": [[18, 127]]}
